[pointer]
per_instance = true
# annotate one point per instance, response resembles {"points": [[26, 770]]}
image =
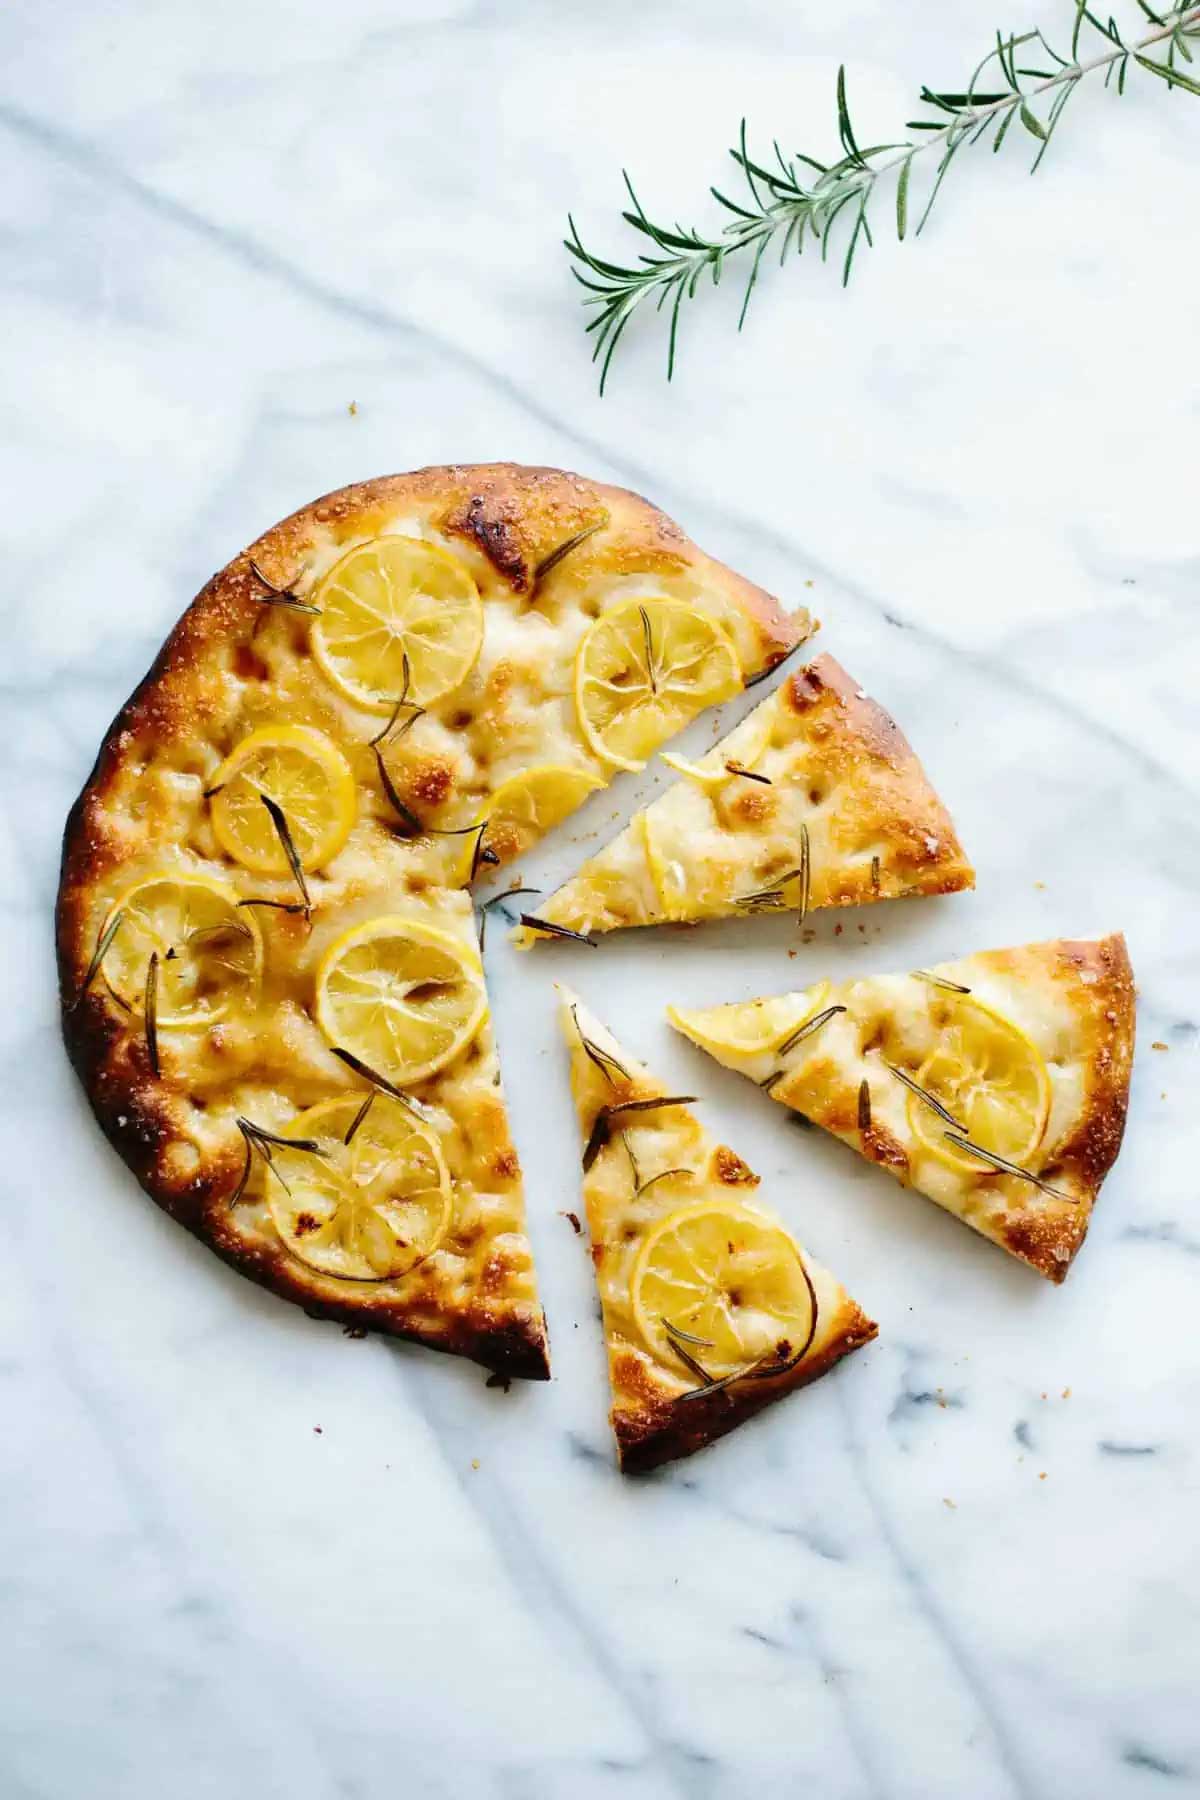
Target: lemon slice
{"points": [[393, 608], [306, 775], [402, 996], [742, 749], [727, 1275], [367, 1210], [990, 1076], [525, 807], [756, 1026], [209, 953], [643, 669]]}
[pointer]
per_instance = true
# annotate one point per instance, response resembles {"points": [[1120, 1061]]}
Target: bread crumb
{"points": [[352, 409], [474, 1462], [1066, 1393], [573, 1221], [1040, 885], [1042, 1476], [1157, 1046], [810, 584], [949, 1503], [318, 1431]]}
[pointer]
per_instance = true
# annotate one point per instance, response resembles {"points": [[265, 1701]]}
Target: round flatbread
{"points": [[397, 651]]}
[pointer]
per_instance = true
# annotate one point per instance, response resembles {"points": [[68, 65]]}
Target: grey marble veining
{"points": [[964, 1565]]}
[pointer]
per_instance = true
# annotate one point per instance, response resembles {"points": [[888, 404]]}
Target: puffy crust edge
{"points": [[657, 1429]]}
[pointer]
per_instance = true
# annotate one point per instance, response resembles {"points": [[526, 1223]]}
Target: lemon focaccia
{"points": [[710, 1309], [996, 1085], [815, 799], [249, 881]]}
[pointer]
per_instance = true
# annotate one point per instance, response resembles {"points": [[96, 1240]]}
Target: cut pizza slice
{"points": [[815, 799], [996, 1085], [711, 1310]]}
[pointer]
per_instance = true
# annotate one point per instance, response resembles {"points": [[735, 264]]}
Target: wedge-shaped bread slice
{"points": [[996, 1085], [711, 1310], [814, 799]]}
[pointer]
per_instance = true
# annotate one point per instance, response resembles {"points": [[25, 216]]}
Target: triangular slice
{"points": [[711, 1310], [996, 1085], [814, 799]]}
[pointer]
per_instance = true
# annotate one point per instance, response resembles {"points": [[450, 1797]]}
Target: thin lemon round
{"points": [[990, 1076], [209, 952], [401, 996], [398, 617], [308, 778], [524, 808], [367, 1210], [727, 1275], [751, 1028], [743, 749], [643, 669]]}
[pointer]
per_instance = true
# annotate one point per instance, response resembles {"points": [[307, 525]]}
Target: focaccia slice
{"points": [[815, 799], [997, 1085], [710, 1308]]}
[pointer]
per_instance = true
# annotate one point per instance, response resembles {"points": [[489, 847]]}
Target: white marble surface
{"points": [[964, 1566]]}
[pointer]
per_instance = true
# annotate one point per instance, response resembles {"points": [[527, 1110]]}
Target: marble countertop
{"points": [[246, 1555]]}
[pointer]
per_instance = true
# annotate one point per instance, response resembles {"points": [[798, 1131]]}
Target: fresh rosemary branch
{"points": [[799, 197]]}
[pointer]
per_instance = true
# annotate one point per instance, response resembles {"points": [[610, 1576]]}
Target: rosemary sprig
{"points": [[280, 596], [150, 1011], [660, 1176], [283, 832], [633, 1162], [601, 1133], [864, 1105], [1001, 1164], [379, 1081], [763, 1369], [285, 906], [923, 1094], [257, 1137], [771, 897], [808, 1027], [562, 931], [103, 946], [359, 1116], [484, 908], [603, 1061], [940, 981], [736, 768], [564, 549], [799, 198]]}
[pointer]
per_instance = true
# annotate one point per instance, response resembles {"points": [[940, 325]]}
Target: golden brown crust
{"points": [[656, 1430], [231, 663]]}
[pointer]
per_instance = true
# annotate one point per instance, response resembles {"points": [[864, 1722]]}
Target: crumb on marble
{"points": [[1156, 1045], [352, 409], [1066, 1393], [318, 1430], [573, 1221], [1041, 886], [474, 1462], [1042, 1475], [809, 584], [950, 1503]]}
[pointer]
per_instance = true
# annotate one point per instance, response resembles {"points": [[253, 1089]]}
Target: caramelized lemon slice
{"points": [[398, 616], [525, 807], [643, 669], [209, 953], [402, 996], [367, 1210], [751, 1028], [306, 775], [728, 1276], [989, 1076]]}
